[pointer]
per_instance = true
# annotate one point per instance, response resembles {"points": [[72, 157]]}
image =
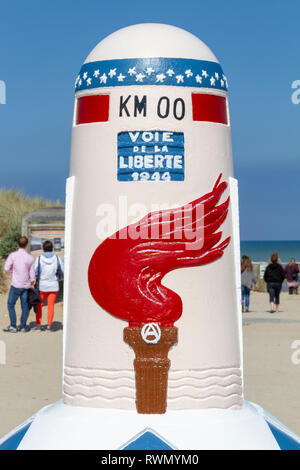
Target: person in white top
{"points": [[48, 269]]}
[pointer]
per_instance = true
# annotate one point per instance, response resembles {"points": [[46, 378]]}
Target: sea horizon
{"points": [[261, 250]]}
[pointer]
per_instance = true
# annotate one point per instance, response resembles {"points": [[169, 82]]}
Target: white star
{"points": [[96, 73], [212, 81], [112, 73], [85, 75], [170, 72], [79, 82], [217, 75], [204, 73], [139, 77], [89, 81], [160, 77], [121, 77], [103, 78], [149, 70], [132, 71], [77, 79], [222, 82], [179, 78], [189, 73], [198, 79]]}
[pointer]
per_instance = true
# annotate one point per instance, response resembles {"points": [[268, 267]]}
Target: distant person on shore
{"points": [[274, 277], [291, 273], [278, 259], [248, 279], [20, 265], [49, 270], [244, 259]]}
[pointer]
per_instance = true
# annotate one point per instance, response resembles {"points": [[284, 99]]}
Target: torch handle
{"points": [[151, 366]]}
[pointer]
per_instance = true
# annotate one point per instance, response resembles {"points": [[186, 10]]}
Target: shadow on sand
{"points": [[56, 326]]}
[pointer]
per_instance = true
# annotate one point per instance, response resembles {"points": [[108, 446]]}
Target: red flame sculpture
{"points": [[126, 270], [125, 275]]}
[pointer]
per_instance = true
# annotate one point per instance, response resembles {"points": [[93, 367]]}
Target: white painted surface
{"points": [[209, 329], [101, 429], [70, 186], [151, 40], [234, 198]]}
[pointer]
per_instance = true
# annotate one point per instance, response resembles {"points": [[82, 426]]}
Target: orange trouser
{"points": [[51, 301]]}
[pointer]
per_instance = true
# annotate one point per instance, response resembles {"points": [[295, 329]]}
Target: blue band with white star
{"points": [[151, 71]]}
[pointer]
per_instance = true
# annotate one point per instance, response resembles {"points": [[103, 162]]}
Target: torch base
{"points": [[151, 367]]}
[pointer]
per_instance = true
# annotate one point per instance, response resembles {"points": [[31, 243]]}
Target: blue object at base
{"points": [[147, 441], [12, 442], [284, 441]]}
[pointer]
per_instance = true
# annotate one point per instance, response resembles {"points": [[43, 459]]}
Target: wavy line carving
{"points": [[174, 398], [179, 384], [232, 402], [188, 389], [110, 373]]}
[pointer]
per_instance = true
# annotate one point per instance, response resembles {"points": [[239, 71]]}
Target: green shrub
{"points": [[9, 242]]}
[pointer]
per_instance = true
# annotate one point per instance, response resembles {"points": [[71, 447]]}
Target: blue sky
{"points": [[43, 44]]}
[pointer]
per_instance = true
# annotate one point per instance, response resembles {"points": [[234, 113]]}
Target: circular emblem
{"points": [[151, 333]]}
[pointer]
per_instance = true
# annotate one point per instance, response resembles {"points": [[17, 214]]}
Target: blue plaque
{"points": [[150, 156]]}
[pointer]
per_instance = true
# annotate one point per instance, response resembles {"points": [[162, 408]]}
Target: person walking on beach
{"points": [[244, 259], [278, 259], [248, 279], [49, 270], [291, 272], [274, 277], [20, 265]]}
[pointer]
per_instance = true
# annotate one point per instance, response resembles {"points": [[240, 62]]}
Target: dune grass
{"points": [[13, 204]]}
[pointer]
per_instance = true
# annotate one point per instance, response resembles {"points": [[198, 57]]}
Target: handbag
{"points": [[34, 299], [37, 281], [59, 273], [34, 296]]}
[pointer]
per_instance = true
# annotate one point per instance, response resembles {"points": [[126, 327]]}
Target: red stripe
{"points": [[92, 108], [211, 108]]}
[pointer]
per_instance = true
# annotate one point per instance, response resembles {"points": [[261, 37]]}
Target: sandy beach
{"points": [[32, 375]]}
